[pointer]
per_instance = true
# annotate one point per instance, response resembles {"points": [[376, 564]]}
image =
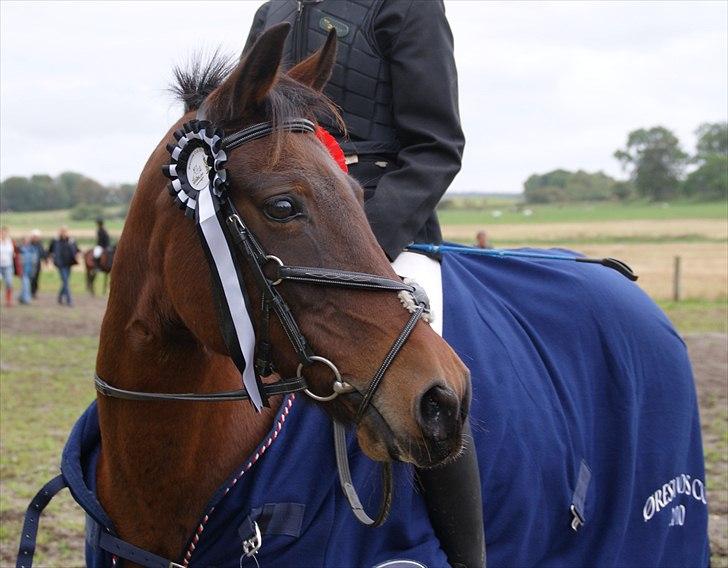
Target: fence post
{"points": [[676, 280]]}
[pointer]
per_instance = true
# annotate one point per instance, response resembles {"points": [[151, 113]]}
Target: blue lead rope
{"points": [[613, 263]]}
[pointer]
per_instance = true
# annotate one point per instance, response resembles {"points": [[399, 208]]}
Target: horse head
{"points": [[306, 211]]}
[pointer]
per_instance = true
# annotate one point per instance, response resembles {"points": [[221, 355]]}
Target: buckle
{"points": [[252, 545], [577, 521]]}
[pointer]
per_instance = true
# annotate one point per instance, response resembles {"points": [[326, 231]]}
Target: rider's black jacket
{"points": [[396, 83], [102, 238]]}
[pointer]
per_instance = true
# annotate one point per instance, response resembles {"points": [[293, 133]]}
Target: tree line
{"points": [[657, 166], [68, 190]]}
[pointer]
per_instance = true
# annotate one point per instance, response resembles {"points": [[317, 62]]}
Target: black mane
{"points": [[287, 99], [194, 82]]}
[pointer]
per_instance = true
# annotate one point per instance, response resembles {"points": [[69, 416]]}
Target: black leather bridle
{"points": [[268, 273]]}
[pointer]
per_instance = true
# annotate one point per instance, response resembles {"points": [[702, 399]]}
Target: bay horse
{"points": [[92, 269], [583, 402], [161, 462]]}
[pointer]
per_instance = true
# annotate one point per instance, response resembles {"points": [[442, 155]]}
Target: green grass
{"points": [[581, 212], [45, 384], [697, 316], [466, 211], [50, 221]]}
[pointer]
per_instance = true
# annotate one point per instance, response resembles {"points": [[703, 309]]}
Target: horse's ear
{"points": [[315, 70], [256, 73]]}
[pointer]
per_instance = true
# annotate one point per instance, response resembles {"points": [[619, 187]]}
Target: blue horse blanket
{"points": [[582, 394], [583, 397]]}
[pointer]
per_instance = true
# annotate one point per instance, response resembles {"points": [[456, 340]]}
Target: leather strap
{"points": [[127, 551], [263, 129], [32, 519], [280, 387], [342, 278], [388, 360], [347, 483]]}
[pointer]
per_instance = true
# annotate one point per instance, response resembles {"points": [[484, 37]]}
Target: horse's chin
{"points": [[379, 443]]}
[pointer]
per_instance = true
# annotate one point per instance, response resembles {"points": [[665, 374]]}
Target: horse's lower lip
{"points": [[437, 454], [420, 453]]}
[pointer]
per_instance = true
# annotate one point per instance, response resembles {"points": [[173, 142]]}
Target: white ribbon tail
{"points": [[234, 296]]}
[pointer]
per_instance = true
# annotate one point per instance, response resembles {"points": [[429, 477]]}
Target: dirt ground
{"points": [[709, 355], [708, 351]]}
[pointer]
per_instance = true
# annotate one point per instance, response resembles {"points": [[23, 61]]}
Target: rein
{"points": [[239, 235]]}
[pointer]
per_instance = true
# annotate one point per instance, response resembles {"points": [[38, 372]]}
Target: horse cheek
{"points": [[194, 304]]}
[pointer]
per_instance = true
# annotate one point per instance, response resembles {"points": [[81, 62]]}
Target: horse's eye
{"points": [[281, 209]]}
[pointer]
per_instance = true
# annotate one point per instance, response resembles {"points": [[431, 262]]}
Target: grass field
{"points": [[503, 212], [648, 237]]}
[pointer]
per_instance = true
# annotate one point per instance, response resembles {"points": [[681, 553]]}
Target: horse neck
{"points": [[162, 461]]}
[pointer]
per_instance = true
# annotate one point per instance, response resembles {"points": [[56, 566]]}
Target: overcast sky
{"points": [[542, 85]]}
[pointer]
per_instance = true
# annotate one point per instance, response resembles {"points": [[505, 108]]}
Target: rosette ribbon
{"points": [[198, 183]]}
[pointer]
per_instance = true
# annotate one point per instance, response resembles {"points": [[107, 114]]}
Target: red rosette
{"points": [[333, 147]]}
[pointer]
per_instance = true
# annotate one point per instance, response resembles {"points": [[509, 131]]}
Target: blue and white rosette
{"points": [[198, 185]]}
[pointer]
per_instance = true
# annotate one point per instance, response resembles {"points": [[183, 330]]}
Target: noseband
{"points": [[269, 273]]}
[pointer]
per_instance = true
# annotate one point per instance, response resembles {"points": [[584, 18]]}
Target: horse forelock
{"points": [[199, 80], [194, 81]]}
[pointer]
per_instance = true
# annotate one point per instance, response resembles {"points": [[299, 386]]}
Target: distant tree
{"points": [[15, 194], [82, 189], [563, 185], [712, 140], [656, 162], [710, 180], [546, 194], [123, 193], [623, 190]]}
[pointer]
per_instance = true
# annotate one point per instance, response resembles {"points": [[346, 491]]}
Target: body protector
{"points": [[396, 85]]}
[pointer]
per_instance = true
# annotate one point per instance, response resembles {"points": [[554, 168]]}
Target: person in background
{"points": [[482, 241], [35, 240], [63, 251], [29, 262], [102, 242], [395, 81], [7, 263]]}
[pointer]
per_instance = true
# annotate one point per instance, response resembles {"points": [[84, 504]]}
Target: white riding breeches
{"points": [[426, 271], [98, 251]]}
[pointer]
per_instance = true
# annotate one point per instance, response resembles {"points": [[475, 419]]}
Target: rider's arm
{"points": [[415, 38]]}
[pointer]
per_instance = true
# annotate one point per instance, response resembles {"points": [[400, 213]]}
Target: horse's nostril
{"points": [[439, 414]]}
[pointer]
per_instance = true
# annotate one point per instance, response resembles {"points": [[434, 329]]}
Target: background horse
{"points": [[105, 262]]}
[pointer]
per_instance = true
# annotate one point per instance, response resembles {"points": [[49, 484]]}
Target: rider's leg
{"points": [[452, 492]]}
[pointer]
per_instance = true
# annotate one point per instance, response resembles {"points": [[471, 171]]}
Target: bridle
{"points": [[269, 272]]}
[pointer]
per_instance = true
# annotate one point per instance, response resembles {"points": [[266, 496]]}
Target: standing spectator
{"points": [[35, 240], [102, 242], [63, 251], [7, 262], [29, 263], [482, 241]]}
